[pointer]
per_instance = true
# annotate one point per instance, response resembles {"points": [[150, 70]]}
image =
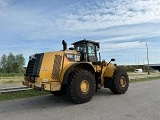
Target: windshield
{"points": [[80, 48]]}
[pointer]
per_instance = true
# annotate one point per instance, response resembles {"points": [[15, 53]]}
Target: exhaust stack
{"points": [[64, 45]]}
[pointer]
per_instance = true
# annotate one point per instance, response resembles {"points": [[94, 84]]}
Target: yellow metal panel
{"points": [[66, 65], [52, 86], [55, 86], [47, 65], [47, 86], [107, 72]]}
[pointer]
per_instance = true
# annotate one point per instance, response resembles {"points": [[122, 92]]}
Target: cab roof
{"points": [[85, 42]]}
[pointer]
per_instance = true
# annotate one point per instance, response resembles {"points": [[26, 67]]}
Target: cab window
{"points": [[81, 48], [91, 50]]}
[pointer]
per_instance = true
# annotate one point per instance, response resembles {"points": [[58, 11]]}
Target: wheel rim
{"points": [[84, 86], [123, 81]]}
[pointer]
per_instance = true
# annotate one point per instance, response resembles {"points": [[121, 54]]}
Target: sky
{"points": [[35, 26]]}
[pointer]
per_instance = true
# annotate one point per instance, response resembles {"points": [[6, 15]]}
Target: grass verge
{"points": [[144, 79], [21, 95], [10, 80]]}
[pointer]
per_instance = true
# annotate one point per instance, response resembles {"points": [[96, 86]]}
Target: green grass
{"points": [[10, 74], [144, 79], [14, 79], [21, 95]]}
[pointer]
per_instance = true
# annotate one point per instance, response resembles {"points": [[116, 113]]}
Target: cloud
{"points": [[37, 21], [104, 14], [3, 5], [118, 24]]}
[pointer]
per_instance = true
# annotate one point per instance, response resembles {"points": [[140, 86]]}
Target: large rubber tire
{"points": [[81, 86], [120, 82]]}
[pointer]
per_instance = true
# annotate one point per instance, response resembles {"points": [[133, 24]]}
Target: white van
{"points": [[138, 71]]}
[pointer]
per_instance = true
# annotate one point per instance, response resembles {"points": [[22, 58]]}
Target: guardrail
{"points": [[13, 89]]}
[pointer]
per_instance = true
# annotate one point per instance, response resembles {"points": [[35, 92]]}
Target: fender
{"points": [[81, 65]]}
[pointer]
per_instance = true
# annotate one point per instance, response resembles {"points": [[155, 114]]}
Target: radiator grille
{"points": [[56, 67], [30, 67], [33, 66]]}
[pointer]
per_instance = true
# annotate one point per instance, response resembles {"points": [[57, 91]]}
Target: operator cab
{"points": [[88, 50]]}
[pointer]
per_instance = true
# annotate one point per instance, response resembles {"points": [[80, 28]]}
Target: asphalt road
{"points": [[141, 102]]}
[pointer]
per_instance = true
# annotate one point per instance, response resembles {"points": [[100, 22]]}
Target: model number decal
{"points": [[73, 57], [70, 56]]}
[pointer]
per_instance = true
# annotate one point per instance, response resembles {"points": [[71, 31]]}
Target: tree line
{"points": [[12, 63]]}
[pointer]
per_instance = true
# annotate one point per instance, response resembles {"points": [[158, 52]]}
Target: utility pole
{"points": [[147, 55]]}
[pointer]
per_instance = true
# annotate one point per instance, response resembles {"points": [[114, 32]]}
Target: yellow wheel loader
{"points": [[76, 72]]}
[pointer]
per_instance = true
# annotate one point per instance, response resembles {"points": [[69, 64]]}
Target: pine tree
{"points": [[3, 63]]}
